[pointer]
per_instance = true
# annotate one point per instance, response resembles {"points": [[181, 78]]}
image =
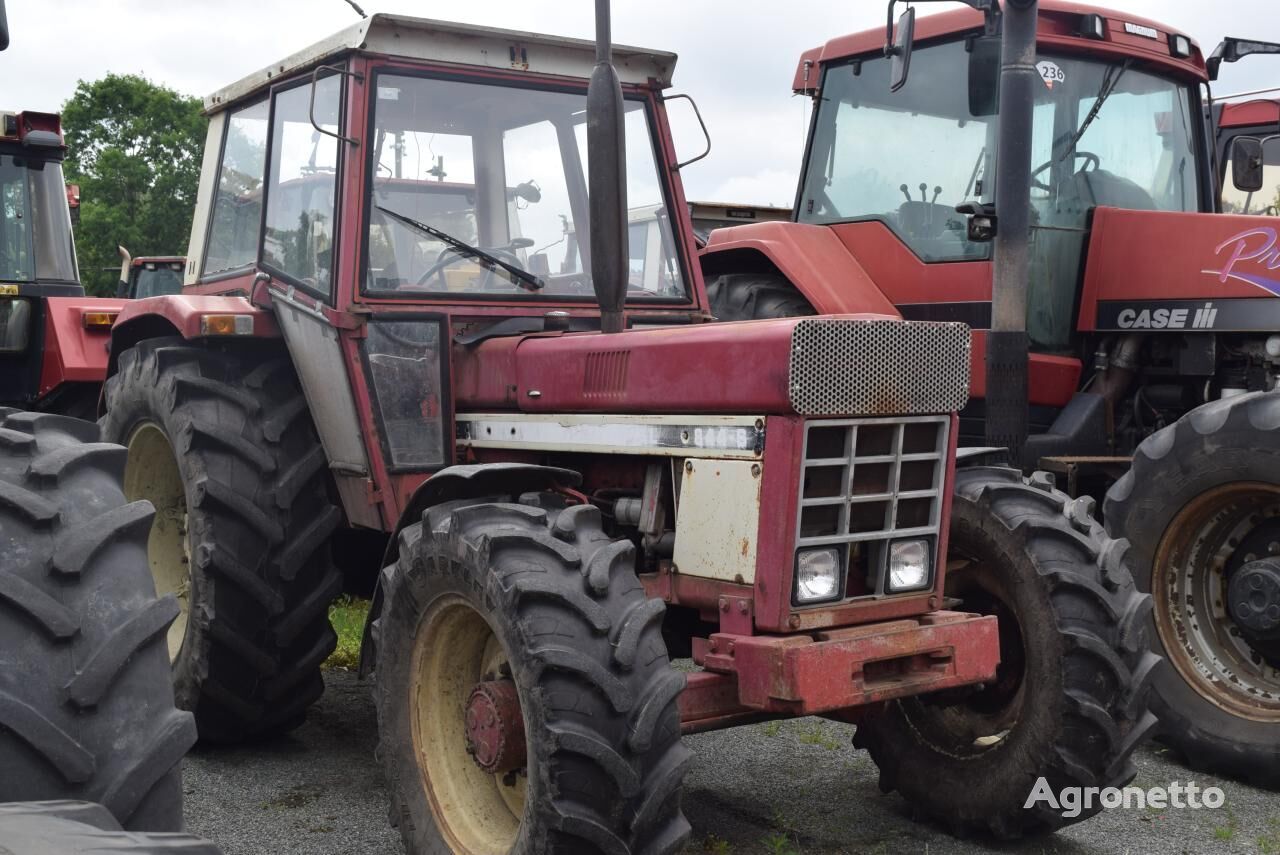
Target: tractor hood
{"points": [[825, 366]]}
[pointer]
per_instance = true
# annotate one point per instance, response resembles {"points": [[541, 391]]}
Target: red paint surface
{"points": [[71, 352], [1058, 27], [1154, 255], [1260, 112], [815, 260], [184, 312], [809, 674]]}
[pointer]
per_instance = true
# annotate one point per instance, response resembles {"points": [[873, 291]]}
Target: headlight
{"points": [[908, 565], [817, 575], [15, 324]]}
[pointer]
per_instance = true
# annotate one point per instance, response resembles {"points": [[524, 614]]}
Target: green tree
{"points": [[134, 147]]}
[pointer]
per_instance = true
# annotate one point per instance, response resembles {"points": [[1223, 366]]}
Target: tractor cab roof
{"points": [[1062, 27], [445, 42]]}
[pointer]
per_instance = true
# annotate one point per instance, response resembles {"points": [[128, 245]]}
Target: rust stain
{"points": [[746, 546]]}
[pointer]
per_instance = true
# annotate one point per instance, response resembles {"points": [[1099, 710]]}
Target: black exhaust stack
{"points": [[1006, 422], [607, 180]]}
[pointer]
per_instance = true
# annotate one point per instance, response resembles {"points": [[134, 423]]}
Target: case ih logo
{"points": [[1247, 254]]}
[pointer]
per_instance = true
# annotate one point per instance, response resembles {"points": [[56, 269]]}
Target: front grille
{"points": [[852, 367], [867, 482]]}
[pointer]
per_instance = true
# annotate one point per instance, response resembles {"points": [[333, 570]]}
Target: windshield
{"points": [[504, 170], [1103, 134], [154, 282], [35, 225]]}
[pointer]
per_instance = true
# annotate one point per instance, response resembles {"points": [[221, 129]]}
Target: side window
{"points": [[298, 240], [237, 205], [1267, 200]]}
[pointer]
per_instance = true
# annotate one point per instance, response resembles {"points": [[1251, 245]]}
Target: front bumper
{"points": [[842, 668]]}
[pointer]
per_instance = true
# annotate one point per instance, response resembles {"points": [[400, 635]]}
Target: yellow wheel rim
{"points": [[478, 813], [151, 473]]}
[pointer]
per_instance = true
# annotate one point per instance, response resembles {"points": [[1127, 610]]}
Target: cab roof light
{"points": [[99, 321], [1093, 26], [1179, 46], [217, 325]]}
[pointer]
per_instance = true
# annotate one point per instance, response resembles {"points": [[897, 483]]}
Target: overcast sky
{"points": [[737, 57]]}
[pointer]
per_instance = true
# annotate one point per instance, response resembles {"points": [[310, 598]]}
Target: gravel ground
{"points": [[777, 789]]}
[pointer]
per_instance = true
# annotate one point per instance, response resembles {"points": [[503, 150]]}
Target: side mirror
{"points": [[1246, 164], [901, 49], [4, 27], [984, 76]]}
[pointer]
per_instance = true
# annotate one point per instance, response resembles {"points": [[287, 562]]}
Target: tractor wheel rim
{"points": [[455, 649], [151, 473], [1213, 535], [978, 721]]}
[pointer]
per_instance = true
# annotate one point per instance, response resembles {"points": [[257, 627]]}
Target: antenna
{"points": [[354, 5]]}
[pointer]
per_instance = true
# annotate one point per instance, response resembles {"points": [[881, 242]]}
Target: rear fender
{"points": [[811, 258], [181, 315], [469, 481], [74, 352]]}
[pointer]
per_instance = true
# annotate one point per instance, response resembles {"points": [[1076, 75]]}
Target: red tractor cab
{"points": [[1134, 302], [53, 340]]}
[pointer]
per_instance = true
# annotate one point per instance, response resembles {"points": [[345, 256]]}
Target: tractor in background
{"points": [[53, 339], [1144, 344], [558, 475], [149, 275], [1259, 120], [90, 740]]}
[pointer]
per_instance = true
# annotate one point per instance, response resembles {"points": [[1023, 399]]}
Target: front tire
{"points": [[755, 296], [1068, 703], [1201, 500], [224, 447], [86, 701], [543, 603]]}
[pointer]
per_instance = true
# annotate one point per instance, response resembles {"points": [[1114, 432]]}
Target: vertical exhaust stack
{"points": [[607, 180], [1006, 421]]}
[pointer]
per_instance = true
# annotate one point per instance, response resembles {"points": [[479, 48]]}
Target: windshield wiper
{"points": [[1109, 83], [523, 278]]}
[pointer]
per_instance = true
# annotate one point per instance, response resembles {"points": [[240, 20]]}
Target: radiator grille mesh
{"points": [[846, 366]]}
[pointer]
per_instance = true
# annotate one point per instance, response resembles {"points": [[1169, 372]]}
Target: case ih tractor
{"points": [[53, 339], [1250, 120], [1142, 305], [560, 481]]}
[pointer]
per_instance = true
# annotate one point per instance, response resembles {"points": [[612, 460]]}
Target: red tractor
{"points": [[559, 476], [53, 339], [149, 275], [1142, 305], [1258, 120]]}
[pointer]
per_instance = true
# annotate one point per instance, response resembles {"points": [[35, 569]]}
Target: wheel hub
{"points": [[495, 727], [1253, 598]]}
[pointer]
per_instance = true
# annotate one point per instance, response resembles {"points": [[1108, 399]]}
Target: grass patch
{"points": [[1228, 831], [347, 615]]}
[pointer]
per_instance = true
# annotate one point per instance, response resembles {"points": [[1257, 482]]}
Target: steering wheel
{"points": [[1089, 158], [451, 254]]}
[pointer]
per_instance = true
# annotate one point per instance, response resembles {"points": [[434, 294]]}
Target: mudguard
{"points": [[467, 481], [74, 351], [812, 258], [181, 315]]}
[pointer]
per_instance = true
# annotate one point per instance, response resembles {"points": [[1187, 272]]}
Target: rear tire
{"points": [[1202, 490], [584, 648], [1069, 700], [86, 700], [83, 828], [225, 448], [755, 296]]}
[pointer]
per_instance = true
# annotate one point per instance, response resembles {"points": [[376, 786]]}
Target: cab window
{"points": [[237, 205], [297, 241]]}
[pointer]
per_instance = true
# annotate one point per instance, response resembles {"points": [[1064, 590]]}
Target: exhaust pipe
{"points": [[606, 180], [1006, 422]]}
